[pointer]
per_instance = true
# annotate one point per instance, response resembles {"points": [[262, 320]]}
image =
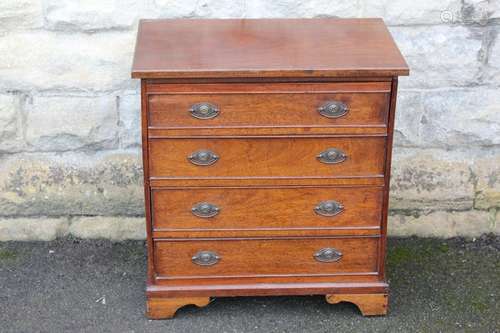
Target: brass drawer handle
{"points": [[203, 157], [329, 208], [332, 156], [328, 254], [205, 258], [205, 209], [333, 109], [204, 110]]}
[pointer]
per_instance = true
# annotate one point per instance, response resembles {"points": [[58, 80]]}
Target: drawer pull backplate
{"points": [[329, 208], [328, 254], [333, 109], [204, 110], [205, 258], [203, 157], [332, 156], [205, 209]]}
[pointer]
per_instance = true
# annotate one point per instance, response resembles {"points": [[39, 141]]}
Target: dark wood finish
{"points": [[267, 157], [261, 257], [267, 78], [265, 48], [266, 208]]}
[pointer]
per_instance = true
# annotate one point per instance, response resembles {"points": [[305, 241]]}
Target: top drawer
{"points": [[333, 104]]}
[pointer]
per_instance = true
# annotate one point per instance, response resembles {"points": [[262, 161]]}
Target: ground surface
{"points": [[98, 286]]}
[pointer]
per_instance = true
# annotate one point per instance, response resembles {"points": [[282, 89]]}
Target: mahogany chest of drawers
{"points": [[267, 153]]}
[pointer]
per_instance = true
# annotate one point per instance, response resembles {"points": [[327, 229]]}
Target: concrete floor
{"points": [[98, 286]]}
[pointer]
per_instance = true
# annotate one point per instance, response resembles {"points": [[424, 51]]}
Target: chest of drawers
{"points": [[267, 152]]}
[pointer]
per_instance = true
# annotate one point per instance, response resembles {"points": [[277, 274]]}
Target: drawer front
{"points": [[267, 157], [265, 257], [262, 208], [262, 110]]}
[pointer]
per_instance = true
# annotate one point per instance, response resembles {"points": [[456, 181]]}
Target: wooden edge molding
{"points": [[227, 132], [165, 308], [368, 304], [265, 288], [245, 73], [288, 79]]}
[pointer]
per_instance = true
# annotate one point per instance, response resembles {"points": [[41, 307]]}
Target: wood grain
{"points": [[368, 304], [158, 87], [268, 105], [264, 257], [285, 109], [265, 48], [377, 180], [182, 286], [262, 287], [266, 208], [165, 308], [387, 171], [267, 131], [266, 157], [147, 192], [267, 232]]}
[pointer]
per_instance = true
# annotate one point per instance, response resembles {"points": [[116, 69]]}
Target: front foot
{"points": [[368, 304], [165, 308]]}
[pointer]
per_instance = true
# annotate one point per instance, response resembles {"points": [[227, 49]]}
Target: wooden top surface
{"points": [[194, 48]]}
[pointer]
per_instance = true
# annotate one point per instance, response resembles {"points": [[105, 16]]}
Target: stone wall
{"points": [[69, 112]]}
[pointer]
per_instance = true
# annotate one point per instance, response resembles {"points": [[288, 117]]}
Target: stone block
{"points": [[430, 180], [439, 56], [477, 12], [486, 172], [442, 224], [70, 62], [10, 123], [409, 112], [70, 122], [461, 118], [20, 14], [92, 15], [33, 229], [72, 184], [294, 8], [404, 12], [129, 107], [116, 228], [492, 72], [197, 8]]}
